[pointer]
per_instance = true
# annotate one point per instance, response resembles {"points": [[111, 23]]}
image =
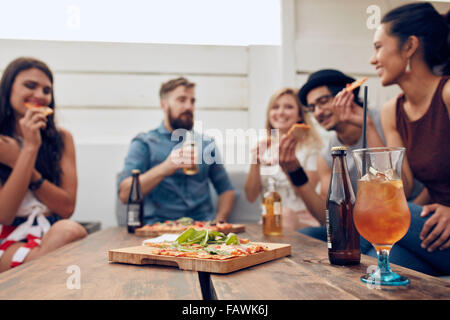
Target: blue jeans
{"points": [[407, 252]]}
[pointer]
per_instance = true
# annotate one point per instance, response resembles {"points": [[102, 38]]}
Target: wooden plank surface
{"points": [[141, 255], [48, 277], [307, 274]]}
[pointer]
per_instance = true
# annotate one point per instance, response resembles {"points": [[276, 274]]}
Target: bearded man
{"points": [[161, 155]]}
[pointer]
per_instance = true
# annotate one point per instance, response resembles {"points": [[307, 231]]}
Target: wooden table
{"points": [[306, 274], [48, 277]]}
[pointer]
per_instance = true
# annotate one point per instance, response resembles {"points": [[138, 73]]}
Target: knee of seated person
{"points": [[72, 230]]}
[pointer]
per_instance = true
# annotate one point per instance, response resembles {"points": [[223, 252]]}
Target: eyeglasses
{"points": [[321, 101]]}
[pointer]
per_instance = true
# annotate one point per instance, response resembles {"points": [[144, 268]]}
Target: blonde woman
{"points": [[283, 111]]}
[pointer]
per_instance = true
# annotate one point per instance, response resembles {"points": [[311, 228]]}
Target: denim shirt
{"points": [[178, 195]]}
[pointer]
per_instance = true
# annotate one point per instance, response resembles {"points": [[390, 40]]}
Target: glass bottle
{"points": [[271, 214], [135, 205], [342, 236], [190, 144]]}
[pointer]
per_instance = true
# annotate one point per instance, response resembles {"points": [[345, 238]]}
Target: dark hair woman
{"points": [[38, 180], [412, 51]]}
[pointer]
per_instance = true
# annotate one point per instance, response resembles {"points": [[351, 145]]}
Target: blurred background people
{"points": [[169, 193], [283, 111]]}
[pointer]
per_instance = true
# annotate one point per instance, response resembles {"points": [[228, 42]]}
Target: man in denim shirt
{"points": [[158, 154]]}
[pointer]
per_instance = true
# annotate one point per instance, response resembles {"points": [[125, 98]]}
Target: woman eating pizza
{"points": [[285, 111], [38, 179]]}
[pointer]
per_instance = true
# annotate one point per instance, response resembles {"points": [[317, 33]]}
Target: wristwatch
{"points": [[36, 185]]}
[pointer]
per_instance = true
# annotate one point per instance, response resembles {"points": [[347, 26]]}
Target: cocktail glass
{"points": [[381, 213]]}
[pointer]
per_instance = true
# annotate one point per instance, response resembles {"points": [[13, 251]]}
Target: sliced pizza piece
{"points": [[44, 109], [356, 84], [299, 131]]}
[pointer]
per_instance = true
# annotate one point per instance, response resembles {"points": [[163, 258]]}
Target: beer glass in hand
{"points": [[381, 213]]}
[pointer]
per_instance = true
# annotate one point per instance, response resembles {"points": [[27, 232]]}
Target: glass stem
{"points": [[383, 261]]}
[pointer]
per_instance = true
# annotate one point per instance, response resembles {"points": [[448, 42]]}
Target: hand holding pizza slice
{"points": [[299, 131]]}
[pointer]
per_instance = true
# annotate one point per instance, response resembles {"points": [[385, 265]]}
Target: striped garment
{"points": [[30, 231]]}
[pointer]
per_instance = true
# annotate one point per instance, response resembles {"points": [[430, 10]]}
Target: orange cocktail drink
{"points": [[381, 213]]}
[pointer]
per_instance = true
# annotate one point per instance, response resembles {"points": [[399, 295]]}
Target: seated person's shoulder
{"points": [[389, 106], [388, 110], [66, 135]]}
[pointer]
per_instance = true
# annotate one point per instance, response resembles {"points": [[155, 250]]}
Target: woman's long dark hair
{"points": [[423, 21], [49, 156]]}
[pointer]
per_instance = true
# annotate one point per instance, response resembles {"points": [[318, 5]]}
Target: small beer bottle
{"points": [[342, 236], [190, 144], [271, 211], [135, 206]]}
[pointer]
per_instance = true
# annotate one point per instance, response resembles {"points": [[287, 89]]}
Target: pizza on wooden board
{"points": [[205, 244], [182, 224]]}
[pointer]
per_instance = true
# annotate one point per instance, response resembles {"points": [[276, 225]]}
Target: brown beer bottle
{"points": [[342, 236], [135, 206], [271, 211]]}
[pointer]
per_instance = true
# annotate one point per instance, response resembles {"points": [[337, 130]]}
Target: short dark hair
{"points": [[423, 21], [171, 85]]}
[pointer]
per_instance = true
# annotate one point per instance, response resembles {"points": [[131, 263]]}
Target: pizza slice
{"points": [[184, 223], [206, 244], [44, 109], [299, 131], [356, 84]]}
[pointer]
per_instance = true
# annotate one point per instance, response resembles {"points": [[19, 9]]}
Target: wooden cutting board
{"points": [[141, 255], [142, 232]]}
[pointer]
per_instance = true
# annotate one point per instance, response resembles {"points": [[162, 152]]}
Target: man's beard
{"points": [[183, 121]]}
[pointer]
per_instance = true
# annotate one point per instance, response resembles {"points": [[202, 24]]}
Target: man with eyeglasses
{"points": [[340, 111], [336, 110]]}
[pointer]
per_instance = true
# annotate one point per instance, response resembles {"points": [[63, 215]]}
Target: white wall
{"points": [[106, 93]]}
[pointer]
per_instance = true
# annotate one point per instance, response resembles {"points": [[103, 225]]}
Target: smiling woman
{"points": [[37, 168]]}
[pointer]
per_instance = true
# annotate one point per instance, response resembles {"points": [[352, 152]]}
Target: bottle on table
{"points": [[135, 205], [271, 207], [342, 236], [190, 145]]}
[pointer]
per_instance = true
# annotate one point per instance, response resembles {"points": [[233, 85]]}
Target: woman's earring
{"points": [[408, 66]]}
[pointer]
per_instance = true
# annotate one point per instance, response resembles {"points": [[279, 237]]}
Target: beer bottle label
{"points": [[133, 215], [328, 229], [277, 208], [263, 210]]}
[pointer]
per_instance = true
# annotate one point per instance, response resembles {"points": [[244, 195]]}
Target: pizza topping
{"points": [[206, 244], [186, 221], [44, 109]]}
